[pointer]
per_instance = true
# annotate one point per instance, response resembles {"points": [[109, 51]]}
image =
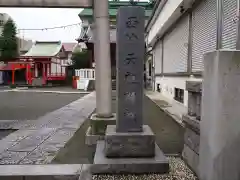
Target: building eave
{"points": [[151, 19]]}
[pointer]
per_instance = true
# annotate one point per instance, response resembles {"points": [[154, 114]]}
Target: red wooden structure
{"points": [[43, 60], [31, 64]]}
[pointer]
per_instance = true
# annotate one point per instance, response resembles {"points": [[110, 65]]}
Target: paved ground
{"points": [[30, 106], [168, 132], [38, 142]]}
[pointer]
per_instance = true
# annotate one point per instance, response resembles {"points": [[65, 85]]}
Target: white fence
{"points": [[85, 74]]}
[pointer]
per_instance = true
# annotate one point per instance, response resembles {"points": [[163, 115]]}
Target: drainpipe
{"points": [[219, 23], [102, 59]]}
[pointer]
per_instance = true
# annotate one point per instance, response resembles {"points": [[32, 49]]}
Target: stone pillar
{"points": [[192, 124], [129, 146], [102, 59], [220, 126], [103, 115]]}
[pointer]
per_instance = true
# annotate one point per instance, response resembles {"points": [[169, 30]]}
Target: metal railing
{"points": [[85, 74]]}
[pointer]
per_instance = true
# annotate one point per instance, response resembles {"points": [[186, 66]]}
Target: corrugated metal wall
{"points": [[204, 32], [157, 55], [175, 48], [229, 18]]}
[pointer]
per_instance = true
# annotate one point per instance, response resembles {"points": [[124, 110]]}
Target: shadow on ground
{"points": [[169, 136]]}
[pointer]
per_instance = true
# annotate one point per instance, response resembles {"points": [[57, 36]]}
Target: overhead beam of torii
{"points": [[47, 3]]}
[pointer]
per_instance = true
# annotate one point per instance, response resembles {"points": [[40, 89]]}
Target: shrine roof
{"points": [[44, 49]]}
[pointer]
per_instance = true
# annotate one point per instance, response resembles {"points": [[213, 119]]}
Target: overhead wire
{"points": [[44, 29], [49, 28]]}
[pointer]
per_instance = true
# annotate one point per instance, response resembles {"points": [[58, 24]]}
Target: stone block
{"points": [[138, 144], [99, 125], [192, 140], [191, 158], [41, 172], [192, 108], [191, 123], [194, 104], [220, 131], [103, 165], [12, 178], [194, 86], [198, 106], [85, 173], [91, 139]]}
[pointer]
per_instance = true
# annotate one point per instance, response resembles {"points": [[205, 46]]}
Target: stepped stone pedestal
{"points": [[135, 153]]}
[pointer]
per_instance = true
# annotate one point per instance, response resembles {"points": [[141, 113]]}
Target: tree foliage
{"points": [[8, 42], [80, 59]]}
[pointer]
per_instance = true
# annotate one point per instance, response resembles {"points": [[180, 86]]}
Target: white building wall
{"points": [[166, 13], [167, 85]]}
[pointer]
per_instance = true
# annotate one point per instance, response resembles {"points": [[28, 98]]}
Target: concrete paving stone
{"points": [[39, 141], [40, 170], [26, 124], [7, 124], [31, 142], [9, 157], [13, 138], [66, 177], [35, 157], [48, 150]]}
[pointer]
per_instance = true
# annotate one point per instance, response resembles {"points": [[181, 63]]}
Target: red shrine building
{"points": [[44, 63]]}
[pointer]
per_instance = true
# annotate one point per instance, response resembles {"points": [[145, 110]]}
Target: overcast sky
{"points": [[43, 18], [26, 18]]}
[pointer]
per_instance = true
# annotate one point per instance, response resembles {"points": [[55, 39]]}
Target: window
{"points": [[179, 95]]}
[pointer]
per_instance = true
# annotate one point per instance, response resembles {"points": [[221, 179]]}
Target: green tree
{"points": [[8, 42], [80, 59]]}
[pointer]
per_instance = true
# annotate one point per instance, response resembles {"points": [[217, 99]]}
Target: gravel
{"points": [[178, 171]]}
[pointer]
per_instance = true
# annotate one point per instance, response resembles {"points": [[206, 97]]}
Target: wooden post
{"points": [[13, 74], [43, 73], [26, 73], [50, 68], [29, 74]]}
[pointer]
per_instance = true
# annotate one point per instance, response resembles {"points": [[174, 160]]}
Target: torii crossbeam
{"points": [[47, 3]]}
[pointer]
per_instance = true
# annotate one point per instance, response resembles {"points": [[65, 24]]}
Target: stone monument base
{"points": [[103, 165], [135, 144], [130, 153]]}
